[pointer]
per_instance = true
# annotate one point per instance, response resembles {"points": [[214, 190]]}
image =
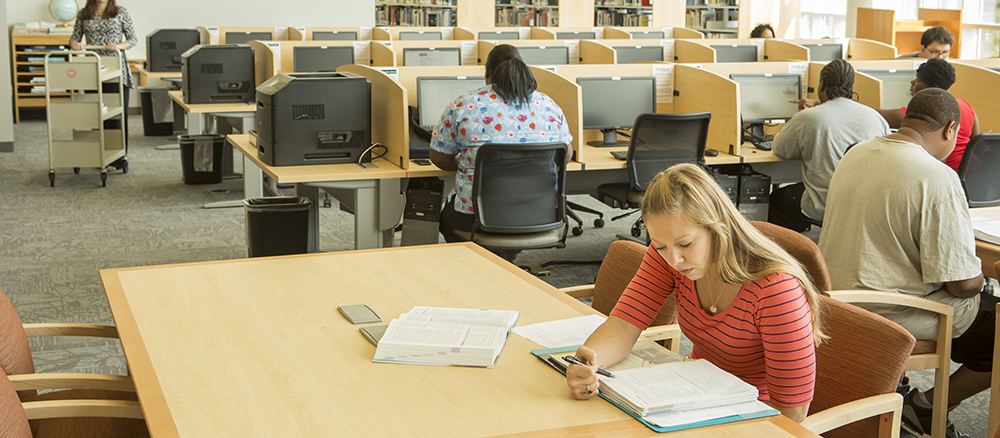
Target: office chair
{"points": [[978, 171], [658, 142], [519, 197]]}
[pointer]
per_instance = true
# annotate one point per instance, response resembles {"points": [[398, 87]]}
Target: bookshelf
{"points": [[714, 18], [535, 13], [427, 13], [628, 13], [28, 48]]}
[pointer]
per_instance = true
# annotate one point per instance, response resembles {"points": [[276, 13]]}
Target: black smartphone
{"points": [[421, 161]]}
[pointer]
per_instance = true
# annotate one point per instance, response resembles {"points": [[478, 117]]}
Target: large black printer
{"points": [[217, 74], [314, 118]]}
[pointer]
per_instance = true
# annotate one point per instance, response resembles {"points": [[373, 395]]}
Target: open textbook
{"points": [[667, 393], [446, 336]]}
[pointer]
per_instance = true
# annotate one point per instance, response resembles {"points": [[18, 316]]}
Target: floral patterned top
{"points": [[481, 117], [102, 31]]}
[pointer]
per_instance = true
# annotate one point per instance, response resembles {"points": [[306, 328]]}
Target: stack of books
{"points": [[446, 336]]}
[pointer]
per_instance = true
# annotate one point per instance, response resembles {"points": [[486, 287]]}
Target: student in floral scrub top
{"points": [[506, 110]]}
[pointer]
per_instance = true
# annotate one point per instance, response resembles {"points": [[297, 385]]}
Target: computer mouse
{"points": [[711, 153]]}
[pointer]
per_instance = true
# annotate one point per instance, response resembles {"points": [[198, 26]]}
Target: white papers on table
{"points": [[698, 415], [561, 333], [986, 229]]}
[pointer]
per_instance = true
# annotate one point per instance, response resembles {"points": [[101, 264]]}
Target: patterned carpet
{"points": [[54, 241]]}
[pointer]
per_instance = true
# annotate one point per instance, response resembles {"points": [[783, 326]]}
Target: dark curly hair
{"points": [[838, 79], [758, 31], [110, 11], [936, 73]]}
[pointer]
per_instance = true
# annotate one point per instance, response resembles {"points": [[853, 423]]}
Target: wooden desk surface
{"points": [[316, 172], [241, 107], [157, 74], [987, 252], [256, 347]]}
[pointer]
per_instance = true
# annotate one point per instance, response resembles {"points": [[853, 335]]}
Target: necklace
{"points": [[715, 300]]}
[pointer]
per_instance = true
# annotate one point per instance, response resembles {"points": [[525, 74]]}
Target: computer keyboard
{"points": [[621, 155], [762, 145]]}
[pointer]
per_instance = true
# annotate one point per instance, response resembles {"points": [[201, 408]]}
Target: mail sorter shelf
{"points": [[76, 132]]}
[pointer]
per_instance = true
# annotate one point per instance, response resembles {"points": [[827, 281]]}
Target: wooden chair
{"points": [[802, 248], [617, 269], [857, 370], [995, 382], [112, 391]]}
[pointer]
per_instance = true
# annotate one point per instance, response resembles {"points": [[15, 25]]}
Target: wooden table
{"points": [[987, 252], [256, 347], [154, 78]]}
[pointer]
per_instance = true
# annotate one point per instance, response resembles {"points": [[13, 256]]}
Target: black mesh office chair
{"points": [[519, 197], [658, 142], [980, 171]]}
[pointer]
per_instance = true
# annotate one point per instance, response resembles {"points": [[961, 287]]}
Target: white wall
{"points": [[151, 15]]}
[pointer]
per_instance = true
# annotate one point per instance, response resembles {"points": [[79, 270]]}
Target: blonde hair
{"points": [[742, 253]]}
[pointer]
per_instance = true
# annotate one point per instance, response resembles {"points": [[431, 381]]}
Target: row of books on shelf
{"points": [[713, 3], [512, 17], [702, 18], [528, 2], [418, 2], [40, 48], [404, 16], [42, 59], [613, 18], [622, 3]]}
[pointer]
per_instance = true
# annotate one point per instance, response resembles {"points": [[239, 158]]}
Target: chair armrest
{"points": [[670, 333], [71, 329], [899, 299], [847, 413], [106, 382], [586, 290], [38, 410]]}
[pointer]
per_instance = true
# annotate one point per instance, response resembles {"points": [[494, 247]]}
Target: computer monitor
{"points": [[591, 35], [615, 102], [436, 56], [895, 86], [648, 35], [244, 37], [825, 52], [500, 35], [765, 97], [420, 36], [164, 48], [996, 69], [335, 35], [321, 58], [437, 92], [735, 53], [544, 55], [630, 54]]}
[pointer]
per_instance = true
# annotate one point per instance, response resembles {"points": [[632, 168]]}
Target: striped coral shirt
{"points": [[764, 337]]}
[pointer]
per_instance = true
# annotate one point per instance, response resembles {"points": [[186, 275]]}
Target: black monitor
{"points": [[500, 35], [765, 97], [630, 54], [735, 53], [648, 35], [825, 52], [435, 56], [245, 37], [895, 86], [420, 36], [164, 48], [436, 93], [321, 58], [615, 102], [544, 55], [587, 35], [335, 35], [222, 73]]}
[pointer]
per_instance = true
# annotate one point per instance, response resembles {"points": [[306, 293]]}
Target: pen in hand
{"points": [[575, 361]]}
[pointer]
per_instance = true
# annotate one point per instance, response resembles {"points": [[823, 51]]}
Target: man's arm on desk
{"points": [[444, 161]]}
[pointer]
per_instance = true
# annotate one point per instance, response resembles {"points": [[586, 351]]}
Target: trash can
{"points": [[201, 158], [277, 225], [151, 125]]}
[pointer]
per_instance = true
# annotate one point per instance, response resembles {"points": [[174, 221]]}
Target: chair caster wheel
{"points": [[577, 231], [52, 178], [598, 223], [636, 232], [124, 167], [104, 178], [76, 170], [327, 203]]}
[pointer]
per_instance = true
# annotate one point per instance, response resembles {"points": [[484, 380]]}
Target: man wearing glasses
{"points": [[937, 43]]}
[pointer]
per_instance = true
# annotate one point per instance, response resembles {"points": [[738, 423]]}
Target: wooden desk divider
{"points": [[979, 85], [868, 88], [697, 90], [390, 53], [306, 33], [392, 33], [390, 117], [472, 33], [625, 33], [781, 50], [692, 52], [485, 46], [273, 57], [881, 25], [566, 93], [217, 35], [597, 52], [862, 49], [550, 33]]}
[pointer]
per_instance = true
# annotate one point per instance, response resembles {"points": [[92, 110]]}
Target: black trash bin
{"points": [[201, 158], [277, 225], [149, 127]]}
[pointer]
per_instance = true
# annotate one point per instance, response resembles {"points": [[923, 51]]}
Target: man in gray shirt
{"points": [[820, 134]]}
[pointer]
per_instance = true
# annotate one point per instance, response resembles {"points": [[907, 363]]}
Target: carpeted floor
{"points": [[54, 241]]}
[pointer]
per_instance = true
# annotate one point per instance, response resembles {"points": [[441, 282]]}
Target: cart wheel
{"points": [[104, 178], [125, 166], [577, 231], [76, 170], [52, 178], [598, 223]]}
